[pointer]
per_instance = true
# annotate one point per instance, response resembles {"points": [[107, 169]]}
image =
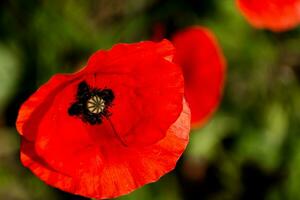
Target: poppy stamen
{"points": [[92, 104], [95, 104]]}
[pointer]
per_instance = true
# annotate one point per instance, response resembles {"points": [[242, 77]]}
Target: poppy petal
{"points": [[147, 67], [116, 175], [99, 60], [276, 15], [203, 65], [30, 109]]}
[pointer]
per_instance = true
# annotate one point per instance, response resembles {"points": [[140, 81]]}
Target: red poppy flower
{"points": [[118, 124], [276, 15], [203, 65]]}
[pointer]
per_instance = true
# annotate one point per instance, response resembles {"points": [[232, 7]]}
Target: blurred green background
{"points": [[249, 150]]}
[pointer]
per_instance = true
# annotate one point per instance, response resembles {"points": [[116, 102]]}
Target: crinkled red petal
{"points": [[147, 83], [115, 169], [101, 59], [38, 103], [203, 65], [148, 92], [276, 15]]}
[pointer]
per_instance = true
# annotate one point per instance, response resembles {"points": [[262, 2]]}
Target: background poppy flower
{"points": [[135, 135], [276, 15], [203, 65]]}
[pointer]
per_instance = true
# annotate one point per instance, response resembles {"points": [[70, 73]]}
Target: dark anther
{"points": [[83, 91], [75, 109], [91, 104], [108, 95]]}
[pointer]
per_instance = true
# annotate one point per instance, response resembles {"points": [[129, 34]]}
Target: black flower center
{"points": [[92, 104]]}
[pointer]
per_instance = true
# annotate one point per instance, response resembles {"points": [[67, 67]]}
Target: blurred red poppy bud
{"points": [[275, 15], [203, 66]]}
